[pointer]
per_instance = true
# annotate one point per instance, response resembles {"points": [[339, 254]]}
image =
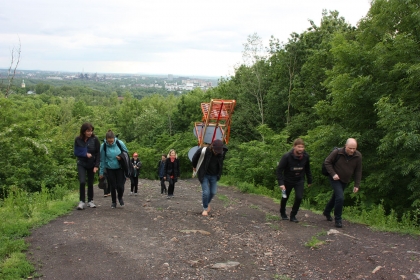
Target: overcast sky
{"points": [[180, 37]]}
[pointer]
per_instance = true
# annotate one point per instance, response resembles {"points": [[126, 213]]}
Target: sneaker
{"points": [[81, 205], [121, 202], [135, 194], [91, 204], [293, 219], [114, 205], [338, 224], [131, 193], [284, 216], [168, 197], [328, 216]]}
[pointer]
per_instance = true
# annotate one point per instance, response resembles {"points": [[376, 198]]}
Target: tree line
{"points": [[326, 84]]}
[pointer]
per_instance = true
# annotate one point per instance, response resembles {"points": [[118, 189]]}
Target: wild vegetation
{"points": [[329, 83]]}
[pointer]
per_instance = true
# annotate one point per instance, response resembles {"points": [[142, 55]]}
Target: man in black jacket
{"points": [[291, 171], [208, 163]]}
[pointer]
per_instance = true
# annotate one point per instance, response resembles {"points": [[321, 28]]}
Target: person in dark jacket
{"points": [[291, 171], [135, 161], [86, 149], [207, 163], [161, 174], [171, 171], [348, 164]]}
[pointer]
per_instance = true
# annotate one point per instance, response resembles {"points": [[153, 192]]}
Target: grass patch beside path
{"points": [[19, 213]]}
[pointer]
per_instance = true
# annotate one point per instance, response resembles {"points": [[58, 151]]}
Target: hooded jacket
{"points": [[110, 161], [204, 165], [292, 169]]}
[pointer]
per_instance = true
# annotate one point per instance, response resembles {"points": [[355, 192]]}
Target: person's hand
{"points": [[282, 187], [355, 190], [309, 185], [118, 157], [95, 169], [194, 169], [101, 176], [336, 177], [88, 155], [164, 178]]}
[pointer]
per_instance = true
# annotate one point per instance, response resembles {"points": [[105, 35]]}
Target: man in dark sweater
{"points": [[291, 171], [342, 165]]}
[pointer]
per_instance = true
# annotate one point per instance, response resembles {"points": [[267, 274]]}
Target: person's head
{"points": [[172, 154], [163, 156], [86, 130], [351, 146], [110, 137], [135, 155], [298, 146], [217, 146]]}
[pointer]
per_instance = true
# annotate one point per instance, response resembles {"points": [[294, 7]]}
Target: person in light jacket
{"points": [[110, 162]]}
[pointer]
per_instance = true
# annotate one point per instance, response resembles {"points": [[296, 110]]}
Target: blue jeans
{"points": [[209, 187], [337, 199]]}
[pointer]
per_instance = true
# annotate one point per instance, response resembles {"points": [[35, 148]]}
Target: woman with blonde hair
{"points": [[171, 172]]}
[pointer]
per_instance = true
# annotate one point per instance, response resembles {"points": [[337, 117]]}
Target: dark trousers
{"points": [[298, 187], [337, 199], [171, 187], [82, 171], [162, 185], [116, 180], [134, 184]]}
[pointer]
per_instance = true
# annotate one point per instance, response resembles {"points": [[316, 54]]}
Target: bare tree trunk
{"points": [[13, 65], [253, 83]]}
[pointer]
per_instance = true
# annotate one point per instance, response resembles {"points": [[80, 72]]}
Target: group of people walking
{"points": [[342, 165]]}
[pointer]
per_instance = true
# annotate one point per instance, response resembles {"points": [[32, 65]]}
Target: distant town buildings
{"points": [[169, 83]]}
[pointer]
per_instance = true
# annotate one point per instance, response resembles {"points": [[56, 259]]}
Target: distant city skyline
{"points": [[182, 38]]}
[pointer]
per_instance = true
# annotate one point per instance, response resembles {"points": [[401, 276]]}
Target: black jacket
{"points": [[291, 169], [168, 169], [81, 148], [204, 165]]}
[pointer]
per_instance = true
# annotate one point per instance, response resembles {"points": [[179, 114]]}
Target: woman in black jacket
{"points": [[171, 171], [86, 149]]}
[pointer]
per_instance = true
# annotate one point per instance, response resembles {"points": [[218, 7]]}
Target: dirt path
{"points": [[157, 238]]}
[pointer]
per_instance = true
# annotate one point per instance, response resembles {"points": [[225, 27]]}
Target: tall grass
{"points": [[19, 213]]}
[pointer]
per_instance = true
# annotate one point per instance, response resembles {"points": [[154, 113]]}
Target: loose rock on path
{"points": [[153, 237]]}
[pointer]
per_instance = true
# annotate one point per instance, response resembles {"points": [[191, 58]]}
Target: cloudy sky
{"points": [[194, 37]]}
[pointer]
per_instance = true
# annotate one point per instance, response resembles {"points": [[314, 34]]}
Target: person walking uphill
{"points": [[110, 156], [135, 161], [291, 171], [171, 171], [161, 174], [208, 163], [86, 149], [342, 165]]}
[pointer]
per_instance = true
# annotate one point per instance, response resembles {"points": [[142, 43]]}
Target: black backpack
{"points": [[323, 169], [125, 161]]}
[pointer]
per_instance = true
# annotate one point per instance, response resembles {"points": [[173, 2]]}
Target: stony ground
{"points": [[153, 237]]}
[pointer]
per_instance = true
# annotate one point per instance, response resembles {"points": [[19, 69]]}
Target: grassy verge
{"points": [[19, 213]]}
